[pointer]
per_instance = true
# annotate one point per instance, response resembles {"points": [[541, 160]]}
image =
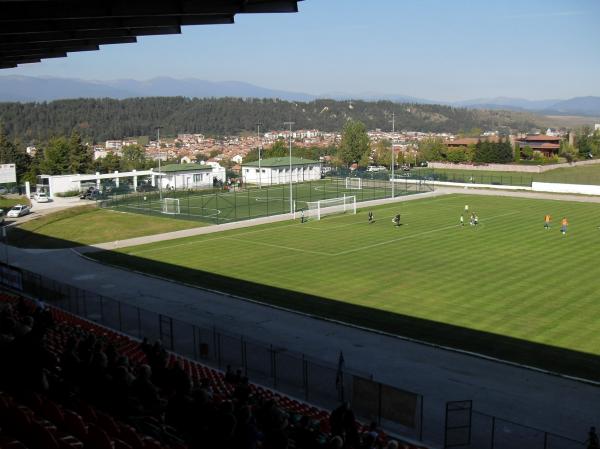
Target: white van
{"points": [[41, 197]]}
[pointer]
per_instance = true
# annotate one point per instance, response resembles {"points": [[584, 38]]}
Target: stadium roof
{"points": [[34, 30], [280, 162]]}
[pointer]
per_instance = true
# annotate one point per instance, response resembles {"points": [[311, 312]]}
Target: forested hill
{"points": [[103, 119]]}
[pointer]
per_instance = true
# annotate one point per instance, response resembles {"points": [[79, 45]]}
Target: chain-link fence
{"points": [[491, 432], [219, 206]]}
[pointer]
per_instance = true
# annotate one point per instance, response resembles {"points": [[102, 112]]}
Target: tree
{"points": [[133, 158], [383, 153], [431, 149], [355, 143], [81, 156], [56, 157], [11, 154]]}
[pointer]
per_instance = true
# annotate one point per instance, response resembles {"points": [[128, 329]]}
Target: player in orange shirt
{"points": [[563, 226], [547, 220]]}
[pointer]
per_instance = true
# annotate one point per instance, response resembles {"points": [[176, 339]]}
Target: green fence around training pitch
{"points": [[218, 206]]}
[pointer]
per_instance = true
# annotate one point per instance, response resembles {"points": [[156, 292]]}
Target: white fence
{"points": [[582, 189]]}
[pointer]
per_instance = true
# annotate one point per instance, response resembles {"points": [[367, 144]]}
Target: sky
{"points": [[445, 50]]}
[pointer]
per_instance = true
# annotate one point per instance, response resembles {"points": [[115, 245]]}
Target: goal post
{"points": [[318, 209], [353, 183], [170, 206]]}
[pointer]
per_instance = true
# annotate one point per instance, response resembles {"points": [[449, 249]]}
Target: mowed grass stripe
{"points": [[507, 277]]}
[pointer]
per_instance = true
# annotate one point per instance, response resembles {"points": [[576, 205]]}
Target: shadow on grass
{"points": [[565, 361]]}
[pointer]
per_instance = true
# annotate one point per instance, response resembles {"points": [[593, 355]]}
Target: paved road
{"points": [[559, 405]]}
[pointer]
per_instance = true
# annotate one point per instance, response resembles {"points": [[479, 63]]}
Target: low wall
{"points": [[510, 167], [582, 189]]}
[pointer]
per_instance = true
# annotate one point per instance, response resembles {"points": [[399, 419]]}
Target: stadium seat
{"points": [[74, 425], [97, 438]]}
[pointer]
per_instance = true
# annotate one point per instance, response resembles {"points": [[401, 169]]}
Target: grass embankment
{"points": [[85, 225], [583, 174], [7, 203], [507, 287]]}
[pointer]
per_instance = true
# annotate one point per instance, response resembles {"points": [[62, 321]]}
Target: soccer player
{"points": [[475, 220], [396, 220], [466, 209], [563, 226], [462, 220], [371, 217], [547, 220], [301, 215]]}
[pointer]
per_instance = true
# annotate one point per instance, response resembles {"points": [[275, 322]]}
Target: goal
{"points": [[354, 183], [170, 206], [317, 209]]}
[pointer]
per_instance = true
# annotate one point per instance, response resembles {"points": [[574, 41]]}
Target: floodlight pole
{"points": [[159, 157], [393, 132], [291, 199], [258, 125]]}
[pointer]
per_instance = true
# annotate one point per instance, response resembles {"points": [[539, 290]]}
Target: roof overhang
{"points": [[31, 31]]}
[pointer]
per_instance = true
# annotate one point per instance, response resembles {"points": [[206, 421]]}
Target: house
{"points": [[237, 158], [189, 176], [277, 171], [547, 145]]}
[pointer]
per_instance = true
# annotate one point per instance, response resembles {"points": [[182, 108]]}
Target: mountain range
{"points": [[15, 88]]}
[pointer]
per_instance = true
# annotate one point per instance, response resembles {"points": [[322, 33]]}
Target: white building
{"points": [[277, 171], [238, 158], [113, 144], [190, 176], [597, 127]]}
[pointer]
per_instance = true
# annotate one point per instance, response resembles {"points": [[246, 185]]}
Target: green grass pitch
{"points": [[507, 287], [223, 207]]}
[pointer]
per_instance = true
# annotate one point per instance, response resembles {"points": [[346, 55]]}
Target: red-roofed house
{"points": [[547, 145]]}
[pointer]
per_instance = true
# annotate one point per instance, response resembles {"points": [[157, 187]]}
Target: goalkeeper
{"points": [[396, 220]]}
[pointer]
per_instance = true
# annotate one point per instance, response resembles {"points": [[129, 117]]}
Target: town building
{"points": [[547, 145], [189, 176], [277, 171]]}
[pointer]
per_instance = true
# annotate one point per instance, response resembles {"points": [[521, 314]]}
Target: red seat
{"points": [[119, 444], [108, 424], [131, 437], [52, 413], [97, 438], [41, 438], [74, 424]]}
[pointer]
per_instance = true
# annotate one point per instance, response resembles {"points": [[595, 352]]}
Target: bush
{"points": [[67, 194]]}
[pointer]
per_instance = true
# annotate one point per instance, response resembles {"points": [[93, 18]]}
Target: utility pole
{"points": [[393, 131], [159, 158], [291, 199], [258, 125]]}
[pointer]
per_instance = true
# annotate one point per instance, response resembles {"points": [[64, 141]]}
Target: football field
{"points": [[247, 203], [506, 287]]}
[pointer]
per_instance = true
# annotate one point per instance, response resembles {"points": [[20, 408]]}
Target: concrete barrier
{"points": [[582, 189]]}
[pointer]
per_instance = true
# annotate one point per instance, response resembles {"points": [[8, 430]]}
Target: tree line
{"points": [[97, 120], [67, 155]]}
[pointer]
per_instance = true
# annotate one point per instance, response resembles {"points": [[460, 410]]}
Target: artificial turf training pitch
{"points": [[506, 287]]}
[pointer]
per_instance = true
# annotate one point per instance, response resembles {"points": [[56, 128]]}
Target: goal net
{"points": [[318, 209], [353, 183], [170, 206]]}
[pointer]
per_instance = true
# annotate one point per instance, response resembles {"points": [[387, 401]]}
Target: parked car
{"points": [[19, 210], [41, 197], [87, 194]]}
